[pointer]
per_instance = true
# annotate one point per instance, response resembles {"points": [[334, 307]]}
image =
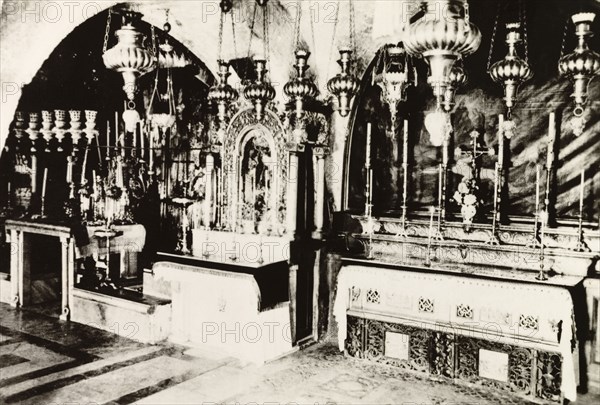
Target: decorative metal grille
{"points": [[464, 311], [373, 297], [530, 373], [528, 322], [426, 305]]}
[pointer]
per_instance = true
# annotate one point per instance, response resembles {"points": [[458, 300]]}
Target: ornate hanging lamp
{"points": [[395, 76], [260, 92], [223, 94], [580, 66], [441, 38], [512, 71], [301, 88], [128, 56], [344, 85], [162, 120], [457, 79]]}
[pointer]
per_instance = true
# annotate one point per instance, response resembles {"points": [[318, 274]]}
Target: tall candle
{"points": [[496, 180], [405, 143], [431, 212], [501, 141], [440, 181], [142, 143], [44, 182], [107, 137], [151, 145], [368, 152], [537, 188], [83, 167], [94, 183], [551, 140], [581, 190], [117, 129], [69, 169]]}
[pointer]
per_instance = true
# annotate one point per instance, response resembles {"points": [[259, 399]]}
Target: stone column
{"points": [[294, 148], [208, 196], [320, 152], [292, 188], [16, 260]]}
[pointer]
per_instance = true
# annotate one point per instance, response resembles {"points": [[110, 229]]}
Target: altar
{"points": [[245, 312], [513, 336]]}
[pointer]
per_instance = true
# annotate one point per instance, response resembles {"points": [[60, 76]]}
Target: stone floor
{"points": [[45, 361]]}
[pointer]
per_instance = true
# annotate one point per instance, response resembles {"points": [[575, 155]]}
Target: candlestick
{"points": [[429, 236], [440, 181], [142, 143], [405, 143], [581, 190], [537, 189], [500, 141], [542, 274], [494, 237], [69, 169], [551, 140], [368, 150], [117, 143], [44, 182]]}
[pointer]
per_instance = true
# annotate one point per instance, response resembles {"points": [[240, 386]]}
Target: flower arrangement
{"points": [[466, 197]]}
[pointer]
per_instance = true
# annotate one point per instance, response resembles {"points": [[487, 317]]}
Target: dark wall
{"points": [[478, 106]]}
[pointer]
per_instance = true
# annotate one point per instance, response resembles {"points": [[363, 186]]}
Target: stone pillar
{"points": [[320, 152], [208, 196], [16, 260], [340, 132], [292, 188]]}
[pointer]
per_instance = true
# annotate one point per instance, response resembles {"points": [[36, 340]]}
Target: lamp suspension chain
{"points": [[523, 19], [564, 39], [335, 22], [107, 31], [252, 23], [312, 27], [220, 43], [297, 26], [467, 17], [233, 34], [266, 33], [352, 26], [489, 61]]}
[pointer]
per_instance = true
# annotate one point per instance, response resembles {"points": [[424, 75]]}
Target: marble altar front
{"points": [[510, 335]]}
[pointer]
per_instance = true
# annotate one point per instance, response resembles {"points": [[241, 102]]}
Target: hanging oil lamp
{"points": [[580, 66], [441, 38], [344, 85], [512, 71], [457, 79], [395, 77], [128, 56], [223, 94], [301, 88], [260, 92]]}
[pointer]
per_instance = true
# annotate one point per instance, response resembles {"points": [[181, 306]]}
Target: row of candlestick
{"points": [[541, 215]]}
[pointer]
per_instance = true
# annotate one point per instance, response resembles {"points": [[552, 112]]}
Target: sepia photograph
{"points": [[300, 202]]}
